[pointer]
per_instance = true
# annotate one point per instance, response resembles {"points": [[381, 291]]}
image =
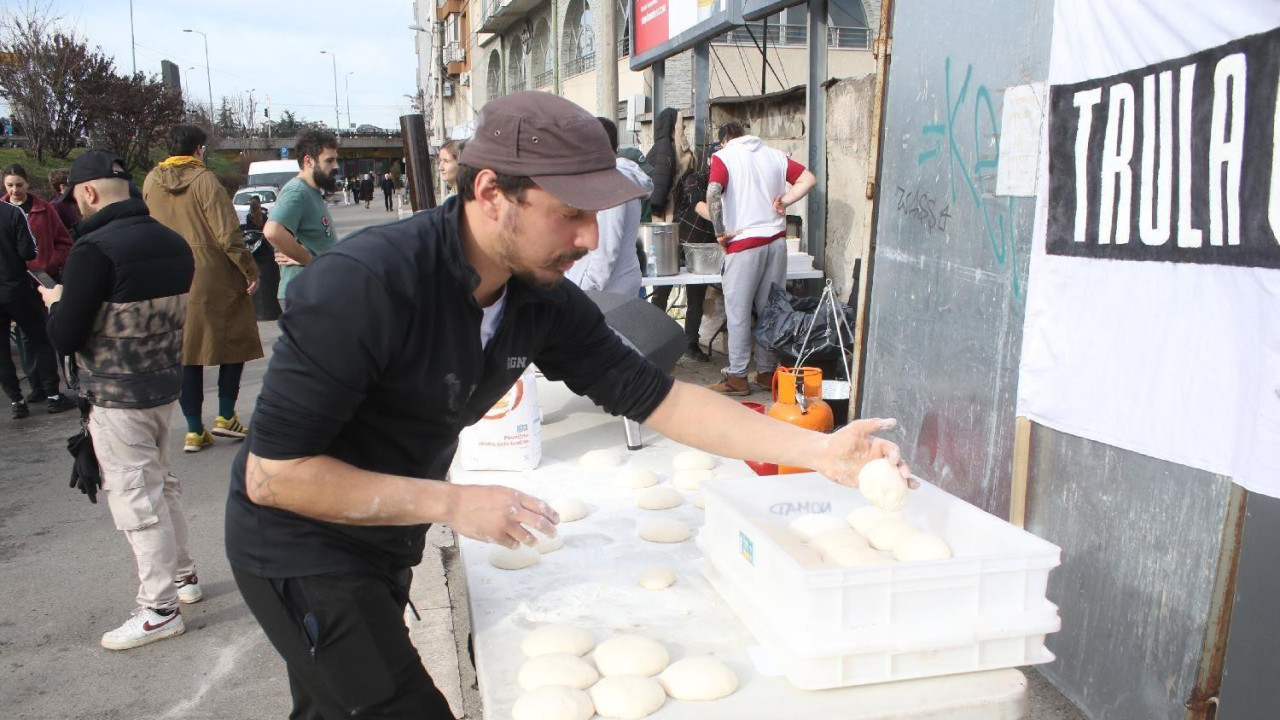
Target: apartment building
{"points": [[488, 48]]}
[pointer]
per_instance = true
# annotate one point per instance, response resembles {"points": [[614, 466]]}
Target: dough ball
{"points": [[600, 459], [843, 536], [569, 509], [691, 479], [699, 501], [553, 702], [886, 535], [854, 555], [518, 559], [694, 460], [550, 639], [921, 546], [658, 498], [627, 697], [631, 655], [698, 678], [882, 484], [865, 518], [663, 530], [657, 577], [557, 669], [546, 544], [807, 527], [635, 477]]}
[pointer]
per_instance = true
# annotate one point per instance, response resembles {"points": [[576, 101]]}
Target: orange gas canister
{"points": [[798, 395]]}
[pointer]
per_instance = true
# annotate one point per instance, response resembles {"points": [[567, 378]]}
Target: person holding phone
{"points": [[20, 304]]}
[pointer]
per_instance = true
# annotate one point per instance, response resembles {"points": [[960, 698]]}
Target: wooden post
{"points": [[1021, 463]]}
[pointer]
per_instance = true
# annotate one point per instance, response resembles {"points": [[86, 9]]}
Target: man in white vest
{"points": [[749, 215]]}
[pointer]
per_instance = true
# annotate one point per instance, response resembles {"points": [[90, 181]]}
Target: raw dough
{"points": [[558, 639], [659, 498], [557, 669], [518, 559], [699, 501], [698, 678], [691, 479], [601, 459], [546, 544], [569, 509], [635, 477], [882, 484], [628, 697], [921, 546], [657, 577], [807, 527], [865, 518], [553, 702], [664, 530], [843, 536], [694, 460], [630, 655], [886, 535], [854, 555]]}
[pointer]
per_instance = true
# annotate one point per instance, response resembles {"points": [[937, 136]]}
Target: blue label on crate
{"points": [[748, 548]]}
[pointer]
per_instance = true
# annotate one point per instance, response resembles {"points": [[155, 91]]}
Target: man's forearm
{"points": [[285, 243], [698, 417], [325, 488], [715, 206]]}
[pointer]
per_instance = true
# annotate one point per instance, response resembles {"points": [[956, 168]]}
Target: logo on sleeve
{"points": [[324, 220], [517, 363]]}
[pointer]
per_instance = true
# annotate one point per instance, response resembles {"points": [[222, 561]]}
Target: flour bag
{"points": [[509, 436]]}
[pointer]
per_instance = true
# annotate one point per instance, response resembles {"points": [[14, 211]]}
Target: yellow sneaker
{"points": [[222, 427], [196, 442]]}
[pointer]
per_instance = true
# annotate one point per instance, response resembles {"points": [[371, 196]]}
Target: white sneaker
{"points": [[189, 589], [144, 627]]}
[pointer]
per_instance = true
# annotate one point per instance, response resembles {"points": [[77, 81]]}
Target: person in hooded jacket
{"points": [[614, 266], [662, 156], [222, 328]]}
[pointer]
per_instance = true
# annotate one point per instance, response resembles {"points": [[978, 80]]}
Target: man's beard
{"points": [[545, 277], [327, 181]]}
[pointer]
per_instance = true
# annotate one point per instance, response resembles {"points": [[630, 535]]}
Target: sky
{"points": [[270, 46]]}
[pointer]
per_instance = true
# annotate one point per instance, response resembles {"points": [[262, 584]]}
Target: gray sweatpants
{"points": [[746, 279]]}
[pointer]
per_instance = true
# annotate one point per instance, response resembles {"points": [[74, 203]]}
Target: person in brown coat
{"points": [[221, 326]]}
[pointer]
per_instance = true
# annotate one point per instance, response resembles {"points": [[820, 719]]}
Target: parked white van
{"points": [[272, 172]]}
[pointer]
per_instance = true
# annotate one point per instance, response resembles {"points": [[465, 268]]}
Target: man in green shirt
{"points": [[300, 226]]}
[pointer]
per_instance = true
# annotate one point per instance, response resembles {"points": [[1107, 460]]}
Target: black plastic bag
{"points": [[787, 320]]}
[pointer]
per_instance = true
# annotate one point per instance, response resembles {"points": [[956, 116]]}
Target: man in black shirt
{"points": [[393, 342]]}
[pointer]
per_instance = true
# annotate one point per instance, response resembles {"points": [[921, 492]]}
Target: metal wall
{"points": [[1141, 538], [1250, 690]]}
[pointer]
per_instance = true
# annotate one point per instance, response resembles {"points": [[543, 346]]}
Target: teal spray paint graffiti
{"points": [[999, 230]]}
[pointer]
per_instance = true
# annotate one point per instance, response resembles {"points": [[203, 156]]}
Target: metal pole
{"points": [[607, 55], [701, 93], [659, 86], [764, 55], [816, 209], [348, 84], [417, 153], [133, 47], [337, 120]]}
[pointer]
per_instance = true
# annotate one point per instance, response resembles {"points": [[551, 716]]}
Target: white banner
{"points": [[1153, 305]]}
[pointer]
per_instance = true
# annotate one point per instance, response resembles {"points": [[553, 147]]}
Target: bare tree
{"points": [[41, 77]]}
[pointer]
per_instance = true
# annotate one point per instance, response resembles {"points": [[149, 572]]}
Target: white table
{"points": [[684, 277], [591, 582]]}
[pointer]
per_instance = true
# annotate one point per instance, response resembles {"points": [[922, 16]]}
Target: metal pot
{"points": [[661, 249], [703, 258]]}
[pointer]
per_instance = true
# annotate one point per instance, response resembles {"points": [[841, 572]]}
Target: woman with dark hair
{"points": [[694, 228], [53, 244]]}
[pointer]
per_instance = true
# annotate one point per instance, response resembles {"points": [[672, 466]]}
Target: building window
{"points": [[493, 77], [542, 63], [846, 28], [578, 48], [517, 65]]}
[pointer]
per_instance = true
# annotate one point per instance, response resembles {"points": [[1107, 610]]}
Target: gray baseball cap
{"points": [[555, 143]]}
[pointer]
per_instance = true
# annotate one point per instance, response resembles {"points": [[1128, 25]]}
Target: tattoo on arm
{"points": [[715, 206], [260, 480]]}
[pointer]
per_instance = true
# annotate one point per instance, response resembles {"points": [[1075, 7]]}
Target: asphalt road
{"points": [[68, 576]]}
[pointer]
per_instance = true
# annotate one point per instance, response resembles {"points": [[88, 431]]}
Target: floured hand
{"points": [[853, 446]]}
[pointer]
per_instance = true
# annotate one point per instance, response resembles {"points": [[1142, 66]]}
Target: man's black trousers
{"points": [[346, 646], [27, 310]]}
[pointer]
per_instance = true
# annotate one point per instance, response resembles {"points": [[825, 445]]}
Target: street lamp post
{"points": [[337, 121], [208, 80], [437, 85], [348, 84], [186, 80]]}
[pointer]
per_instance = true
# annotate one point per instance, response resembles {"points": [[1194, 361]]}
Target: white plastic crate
{"points": [[991, 593]]}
